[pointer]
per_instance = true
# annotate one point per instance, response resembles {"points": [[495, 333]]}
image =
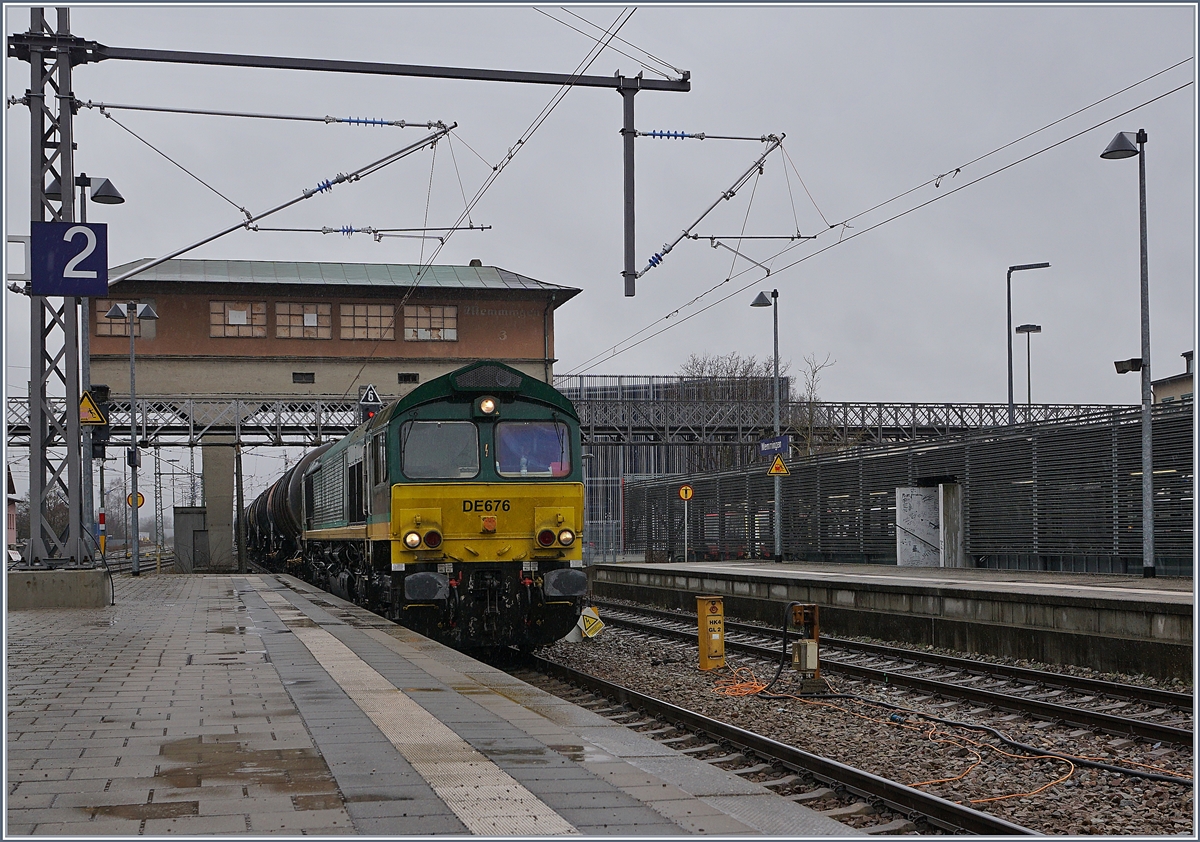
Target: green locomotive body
{"points": [[456, 511]]}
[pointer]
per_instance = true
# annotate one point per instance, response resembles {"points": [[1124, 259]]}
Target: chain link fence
{"points": [[1048, 496]]}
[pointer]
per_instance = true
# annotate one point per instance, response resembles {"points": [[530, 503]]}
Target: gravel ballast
{"points": [[1045, 794]]}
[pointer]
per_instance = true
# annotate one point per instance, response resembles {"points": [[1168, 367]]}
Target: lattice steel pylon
{"points": [[54, 328]]}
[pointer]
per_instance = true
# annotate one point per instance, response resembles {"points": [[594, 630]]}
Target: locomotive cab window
{"points": [[533, 449], [439, 449], [379, 472]]}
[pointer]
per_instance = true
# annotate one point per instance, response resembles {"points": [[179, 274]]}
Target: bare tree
{"points": [[733, 377], [729, 378], [57, 515]]}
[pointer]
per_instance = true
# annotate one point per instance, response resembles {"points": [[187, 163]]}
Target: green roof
{"points": [[384, 275]]}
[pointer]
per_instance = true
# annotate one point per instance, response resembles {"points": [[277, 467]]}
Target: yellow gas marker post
{"points": [[685, 494], [710, 614]]}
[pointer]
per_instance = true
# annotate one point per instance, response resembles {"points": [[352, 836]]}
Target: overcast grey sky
{"points": [[873, 100]]}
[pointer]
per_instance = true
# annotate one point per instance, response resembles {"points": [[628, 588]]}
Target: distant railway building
{"points": [[269, 329], [248, 327], [1180, 386]]}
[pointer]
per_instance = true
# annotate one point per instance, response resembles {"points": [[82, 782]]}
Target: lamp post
{"points": [[1012, 415], [133, 311], [1123, 146], [772, 301], [104, 193], [1028, 330]]}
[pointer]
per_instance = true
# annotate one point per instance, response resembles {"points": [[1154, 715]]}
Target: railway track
{"points": [[875, 804], [1148, 713]]}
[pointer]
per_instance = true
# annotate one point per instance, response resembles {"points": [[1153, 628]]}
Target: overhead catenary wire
{"points": [[955, 170], [681, 73], [428, 198], [674, 135], [615, 350], [657, 257], [537, 122], [498, 168], [207, 112], [367, 229], [322, 187], [109, 116], [641, 63]]}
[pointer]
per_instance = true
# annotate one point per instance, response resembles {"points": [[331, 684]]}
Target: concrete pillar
{"points": [[218, 501]]}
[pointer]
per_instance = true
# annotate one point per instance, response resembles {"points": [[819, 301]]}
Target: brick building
{"points": [[238, 327]]}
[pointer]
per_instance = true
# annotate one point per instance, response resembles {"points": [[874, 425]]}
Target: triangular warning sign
{"points": [[89, 412], [369, 395], [778, 469], [590, 622]]}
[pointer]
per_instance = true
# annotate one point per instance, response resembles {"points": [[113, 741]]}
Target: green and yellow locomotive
{"points": [[455, 511]]}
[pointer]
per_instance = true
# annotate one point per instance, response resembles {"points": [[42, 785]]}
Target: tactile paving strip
{"points": [[488, 800]]}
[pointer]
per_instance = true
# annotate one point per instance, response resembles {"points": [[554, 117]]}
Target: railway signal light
{"points": [[368, 404], [101, 433]]}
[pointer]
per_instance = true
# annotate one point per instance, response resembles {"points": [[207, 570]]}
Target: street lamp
{"points": [[1027, 330], [133, 311], [104, 193], [772, 301], [1012, 415], [1123, 146]]}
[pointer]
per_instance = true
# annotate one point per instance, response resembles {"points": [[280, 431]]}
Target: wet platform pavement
{"points": [[258, 705]]}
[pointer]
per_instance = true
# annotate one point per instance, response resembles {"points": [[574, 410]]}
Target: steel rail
{"points": [[939, 811], [1047, 710], [1042, 677]]}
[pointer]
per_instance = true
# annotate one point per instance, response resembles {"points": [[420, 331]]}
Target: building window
{"points": [[407, 377], [303, 321], [368, 321], [113, 327], [304, 377], [237, 318], [424, 322]]}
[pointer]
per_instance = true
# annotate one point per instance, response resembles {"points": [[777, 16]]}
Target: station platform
{"points": [[1108, 623], [256, 705]]}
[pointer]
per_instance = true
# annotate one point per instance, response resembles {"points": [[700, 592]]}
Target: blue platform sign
{"points": [[69, 258], [774, 446]]}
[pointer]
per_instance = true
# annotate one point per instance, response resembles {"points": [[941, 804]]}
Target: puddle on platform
{"points": [[582, 753], [229, 630], [137, 812], [520, 756], [280, 770]]}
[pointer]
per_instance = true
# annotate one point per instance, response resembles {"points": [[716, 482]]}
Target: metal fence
{"points": [[1048, 496]]}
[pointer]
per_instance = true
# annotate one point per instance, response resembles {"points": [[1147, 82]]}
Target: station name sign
{"points": [[774, 446]]}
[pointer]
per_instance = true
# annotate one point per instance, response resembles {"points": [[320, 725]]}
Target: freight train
{"points": [[455, 511]]}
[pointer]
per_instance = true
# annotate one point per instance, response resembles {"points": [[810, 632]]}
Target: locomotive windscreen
{"points": [[439, 449], [532, 448]]}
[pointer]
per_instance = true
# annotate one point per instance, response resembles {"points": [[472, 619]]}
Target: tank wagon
{"points": [[455, 511]]}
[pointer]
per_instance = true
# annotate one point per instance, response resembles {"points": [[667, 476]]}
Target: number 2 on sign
{"points": [[71, 270]]}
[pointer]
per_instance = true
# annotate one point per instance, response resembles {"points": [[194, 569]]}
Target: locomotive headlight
{"points": [[412, 540], [433, 539], [545, 538], [566, 537], [487, 406]]}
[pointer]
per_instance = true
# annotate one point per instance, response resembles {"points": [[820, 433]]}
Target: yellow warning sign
{"points": [[685, 492], [590, 622], [89, 412], [778, 469]]}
